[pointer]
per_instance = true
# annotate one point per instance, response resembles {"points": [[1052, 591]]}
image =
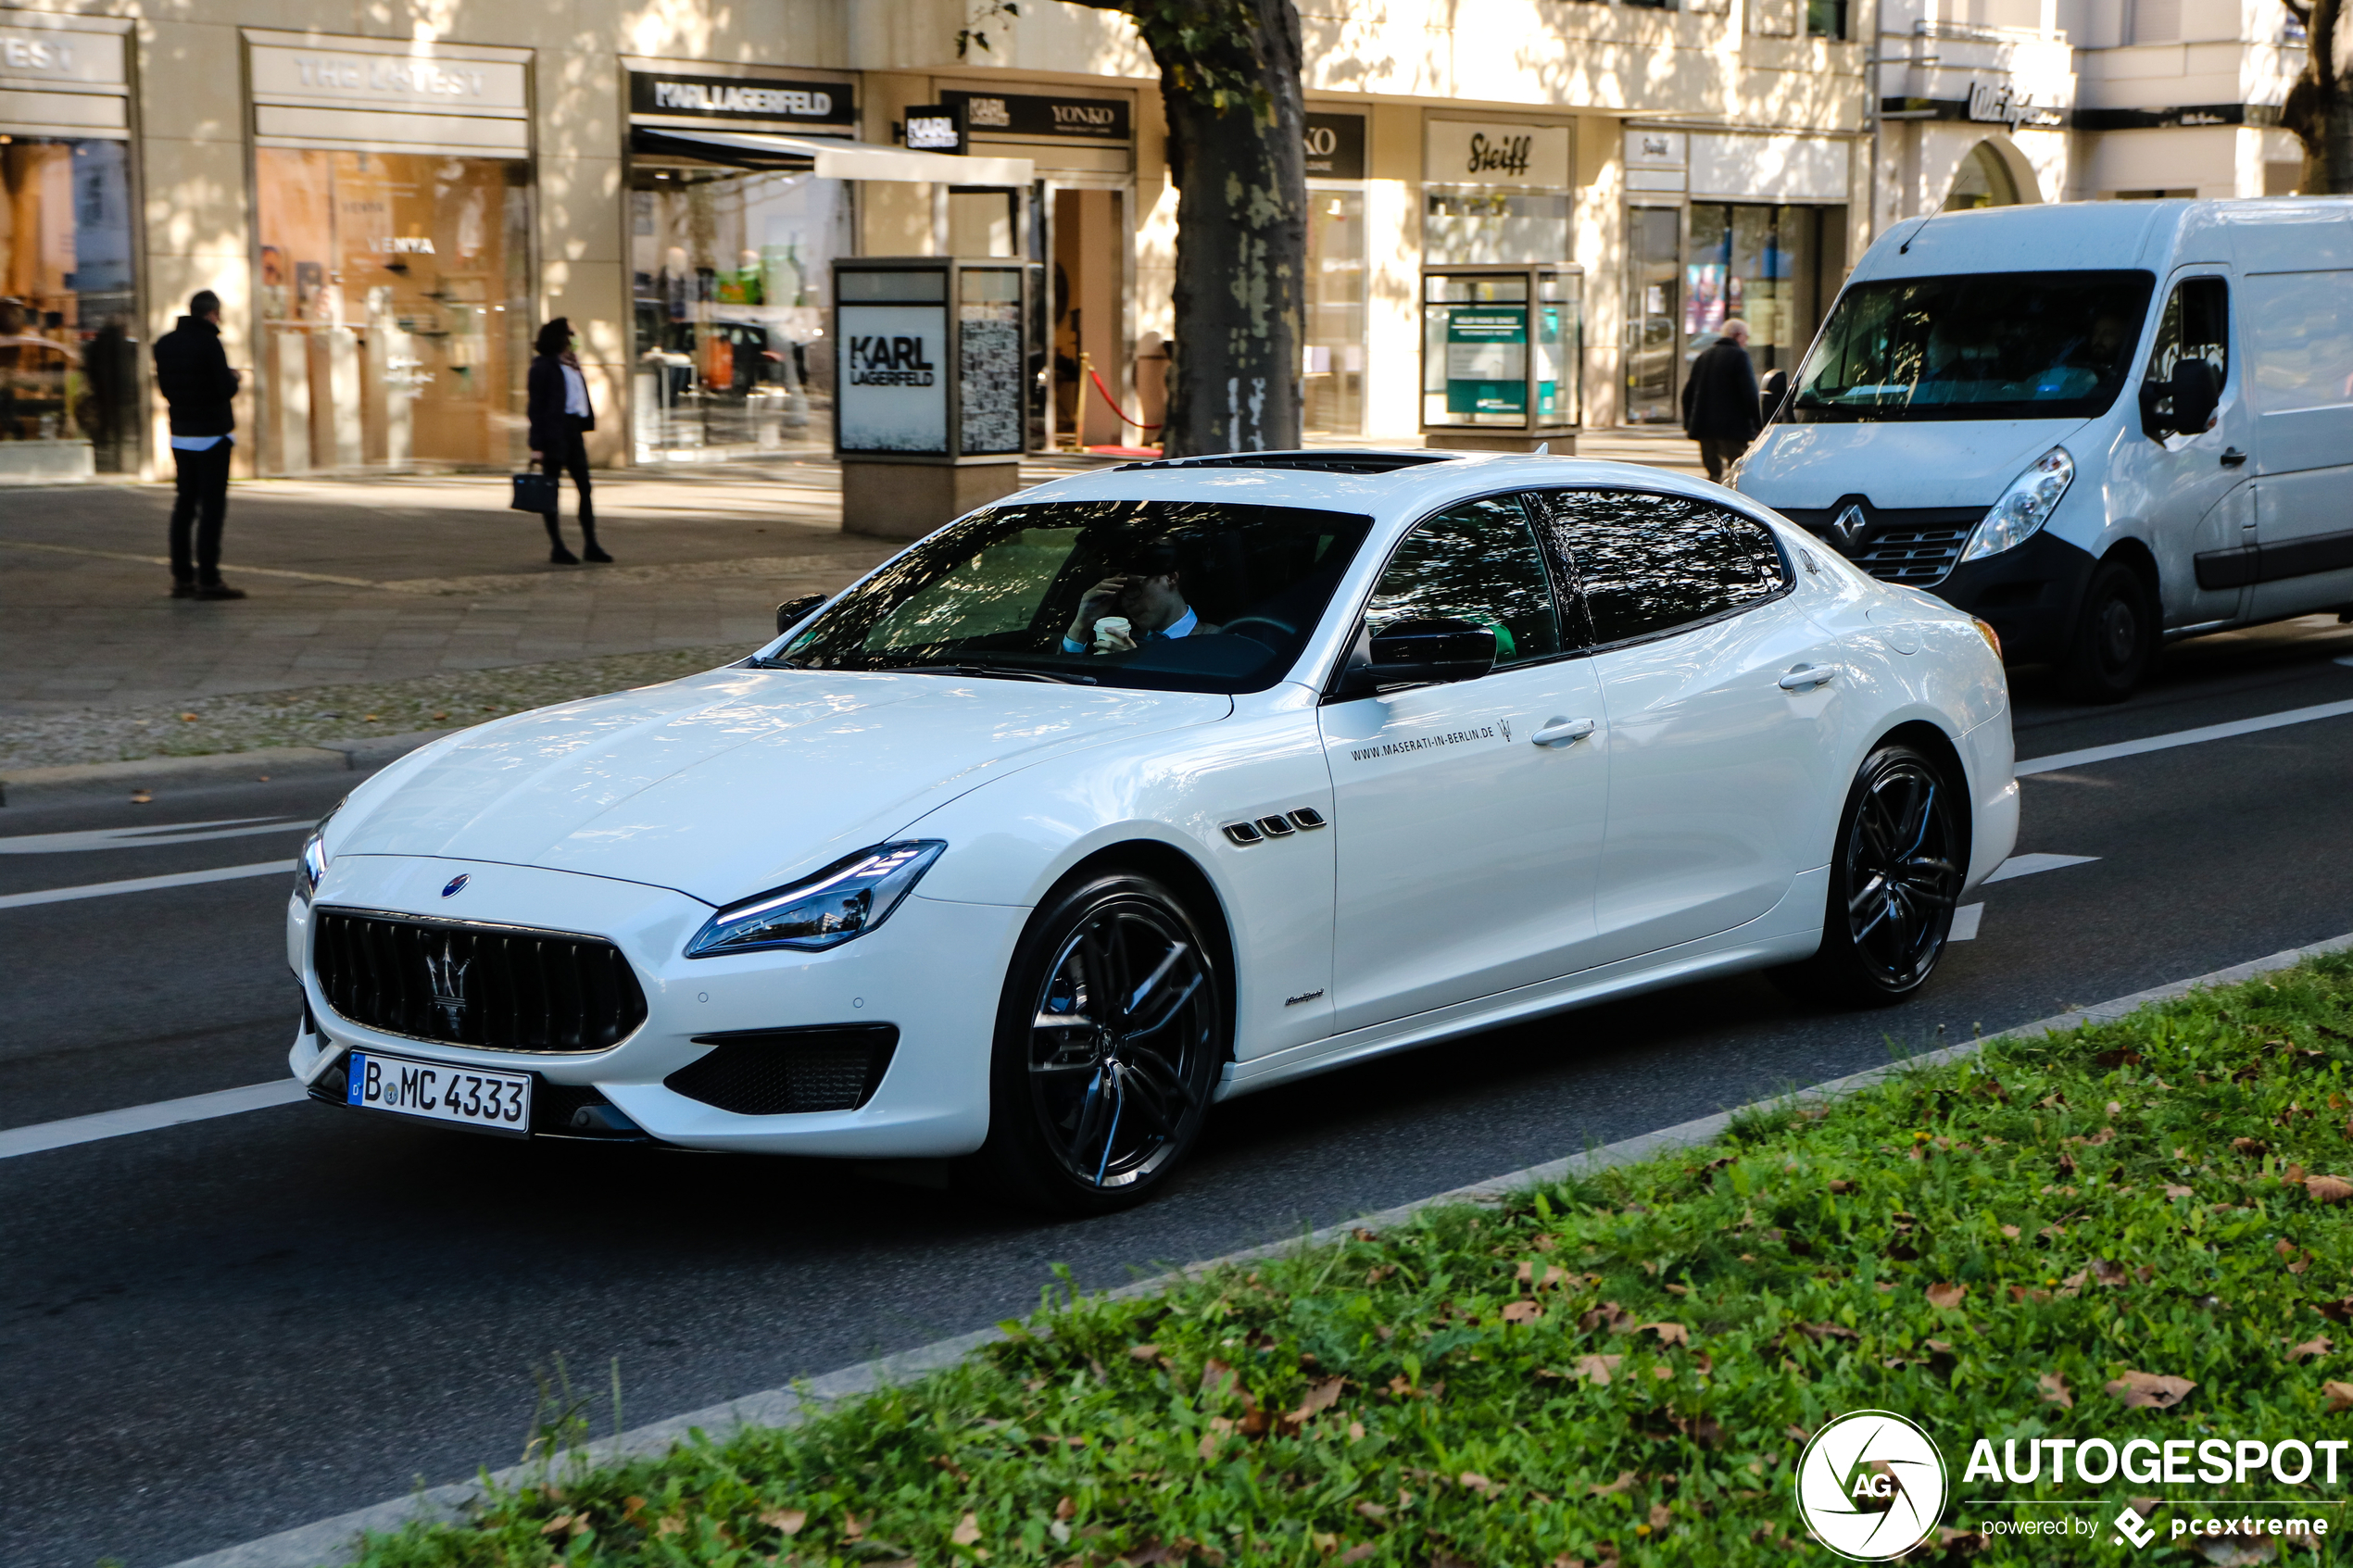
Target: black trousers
{"points": [[197, 508], [574, 459]]}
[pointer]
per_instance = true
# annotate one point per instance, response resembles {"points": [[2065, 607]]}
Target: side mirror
{"points": [[2196, 395], [1418, 652], [1769, 393], [792, 612]]}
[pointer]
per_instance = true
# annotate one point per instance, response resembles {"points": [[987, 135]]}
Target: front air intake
{"points": [[788, 1072], [497, 987]]}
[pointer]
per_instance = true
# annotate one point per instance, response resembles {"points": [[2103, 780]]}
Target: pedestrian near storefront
{"points": [[1720, 400], [193, 373], [560, 415]]}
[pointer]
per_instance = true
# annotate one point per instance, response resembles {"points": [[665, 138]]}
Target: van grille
{"points": [[497, 987], [1921, 558]]}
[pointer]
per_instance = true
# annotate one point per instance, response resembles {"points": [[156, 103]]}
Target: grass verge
{"points": [[2128, 1231]]}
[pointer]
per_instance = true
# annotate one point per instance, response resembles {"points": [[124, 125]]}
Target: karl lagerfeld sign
{"points": [[741, 98]]}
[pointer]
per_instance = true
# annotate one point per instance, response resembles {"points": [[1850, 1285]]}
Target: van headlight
{"points": [[2026, 506], [847, 900]]}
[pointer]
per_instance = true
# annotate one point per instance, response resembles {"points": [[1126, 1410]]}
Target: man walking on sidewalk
{"points": [[1720, 400], [193, 373]]}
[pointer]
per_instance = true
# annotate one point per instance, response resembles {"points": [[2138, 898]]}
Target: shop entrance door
{"points": [[1089, 256], [1654, 312]]}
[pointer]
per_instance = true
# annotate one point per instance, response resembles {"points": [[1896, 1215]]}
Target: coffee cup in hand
{"points": [[1114, 633]]}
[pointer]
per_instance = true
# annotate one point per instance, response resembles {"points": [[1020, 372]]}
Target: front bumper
{"points": [[2030, 596], [934, 970]]}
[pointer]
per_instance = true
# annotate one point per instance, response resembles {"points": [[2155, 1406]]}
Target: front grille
{"points": [[1921, 557], [781, 1072], [499, 987]]}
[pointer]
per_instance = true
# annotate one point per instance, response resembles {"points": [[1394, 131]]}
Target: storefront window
{"points": [[69, 361], [1761, 263], [1334, 380], [1461, 226], [394, 303], [731, 268]]}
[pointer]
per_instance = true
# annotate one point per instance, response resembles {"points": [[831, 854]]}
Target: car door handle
{"points": [[1806, 677], [1563, 731], [2233, 457]]}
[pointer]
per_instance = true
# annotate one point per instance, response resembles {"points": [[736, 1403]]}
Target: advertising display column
{"points": [[392, 208], [70, 344]]}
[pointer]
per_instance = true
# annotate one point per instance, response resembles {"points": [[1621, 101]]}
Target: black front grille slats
{"points": [[1918, 557], [497, 987], [787, 1071]]}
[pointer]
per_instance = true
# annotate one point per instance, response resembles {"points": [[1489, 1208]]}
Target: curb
{"points": [[82, 781], [331, 1541]]}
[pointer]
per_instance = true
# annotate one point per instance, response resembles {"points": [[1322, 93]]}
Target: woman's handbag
{"points": [[534, 493]]}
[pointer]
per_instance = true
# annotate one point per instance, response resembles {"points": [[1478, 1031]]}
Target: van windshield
{"points": [[1998, 345], [1184, 595]]}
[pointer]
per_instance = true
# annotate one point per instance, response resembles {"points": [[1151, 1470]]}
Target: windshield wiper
{"points": [[993, 671]]}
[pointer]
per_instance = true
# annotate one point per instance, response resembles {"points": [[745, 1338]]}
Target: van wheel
{"points": [[1109, 1039], [1901, 855], [2115, 638]]}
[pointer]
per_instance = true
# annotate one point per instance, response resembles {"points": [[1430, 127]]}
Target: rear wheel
{"points": [[1109, 1039], [1903, 847], [2115, 639]]}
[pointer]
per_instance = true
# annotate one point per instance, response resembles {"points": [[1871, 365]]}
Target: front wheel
{"points": [[1109, 1038], [2115, 638], [1901, 857]]}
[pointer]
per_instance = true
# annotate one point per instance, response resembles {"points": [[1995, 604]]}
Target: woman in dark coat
{"points": [[560, 415]]}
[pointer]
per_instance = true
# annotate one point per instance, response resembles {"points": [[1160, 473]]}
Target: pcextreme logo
{"points": [[1870, 1486]]}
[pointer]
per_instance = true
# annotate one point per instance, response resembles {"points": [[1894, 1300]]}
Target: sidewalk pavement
{"points": [[394, 578]]}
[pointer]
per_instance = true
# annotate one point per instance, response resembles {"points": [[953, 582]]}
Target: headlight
{"points": [[312, 863], [2024, 507], [848, 899]]}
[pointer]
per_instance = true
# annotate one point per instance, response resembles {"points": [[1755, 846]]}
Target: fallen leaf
{"points": [[1608, 1315], [967, 1530], [1474, 1480], [670, 1525], [1373, 1509], [2248, 1145], [2108, 1273], [1319, 1398], [1668, 1333], [2139, 1389], [2319, 1347], [2172, 1190], [1946, 1297], [561, 1521], [187, 718], [2118, 1058], [2340, 1397], [1678, 1290], [2328, 1189], [1661, 1516], [2056, 1391], [1595, 1369], [851, 1528], [1065, 1509], [788, 1520], [1144, 1352], [1522, 1312], [1625, 1479], [1837, 1186], [1358, 1553]]}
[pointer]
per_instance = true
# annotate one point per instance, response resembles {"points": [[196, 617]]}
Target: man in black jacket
{"points": [[193, 373], [1720, 400]]}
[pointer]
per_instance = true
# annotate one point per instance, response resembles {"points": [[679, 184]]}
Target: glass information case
{"points": [[932, 359], [1502, 355]]}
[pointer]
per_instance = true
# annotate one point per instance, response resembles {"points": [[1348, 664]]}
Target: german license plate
{"points": [[498, 1102]]}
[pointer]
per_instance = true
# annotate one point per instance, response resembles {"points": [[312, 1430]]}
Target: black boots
{"points": [[559, 556]]}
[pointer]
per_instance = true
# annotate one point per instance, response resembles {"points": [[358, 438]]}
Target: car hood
{"points": [[1896, 463], [728, 784]]}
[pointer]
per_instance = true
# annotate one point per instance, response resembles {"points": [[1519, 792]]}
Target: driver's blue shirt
{"points": [[1180, 627]]}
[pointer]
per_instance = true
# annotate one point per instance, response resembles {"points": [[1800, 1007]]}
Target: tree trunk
{"points": [[1229, 81], [2318, 110]]}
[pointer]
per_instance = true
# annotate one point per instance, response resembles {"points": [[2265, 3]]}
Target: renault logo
{"points": [[1848, 527], [446, 974]]}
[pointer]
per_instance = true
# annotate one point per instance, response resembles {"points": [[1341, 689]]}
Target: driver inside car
{"points": [[1144, 604]]}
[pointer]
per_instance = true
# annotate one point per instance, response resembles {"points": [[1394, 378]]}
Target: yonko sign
{"points": [[1871, 1485]]}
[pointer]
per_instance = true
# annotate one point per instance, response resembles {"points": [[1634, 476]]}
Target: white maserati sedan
{"points": [[1157, 785]]}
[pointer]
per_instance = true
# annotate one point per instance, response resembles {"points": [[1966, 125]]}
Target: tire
{"points": [[1092, 1116], [1901, 858], [2115, 638]]}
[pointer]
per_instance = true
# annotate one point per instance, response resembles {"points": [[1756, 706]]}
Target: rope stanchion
{"points": [[1108, 401]]}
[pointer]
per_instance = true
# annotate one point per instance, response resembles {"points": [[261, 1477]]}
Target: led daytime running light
{"points": [[844, 901]]}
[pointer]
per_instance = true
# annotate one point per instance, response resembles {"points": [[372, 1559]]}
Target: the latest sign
{"points": [[406, 81]]}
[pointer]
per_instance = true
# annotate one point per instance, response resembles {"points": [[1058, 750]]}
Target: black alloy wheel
{"points": [[1108, 1041], [2115, 639], [1901, 857]]}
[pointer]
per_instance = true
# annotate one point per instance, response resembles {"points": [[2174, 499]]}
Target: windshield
{"points": [[1999, 346], [1186, 595]]}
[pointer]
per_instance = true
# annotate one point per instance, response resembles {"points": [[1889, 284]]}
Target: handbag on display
{"points": [[534, 493]]}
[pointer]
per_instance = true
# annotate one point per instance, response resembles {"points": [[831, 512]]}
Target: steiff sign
{"points": [[1460, 151]]}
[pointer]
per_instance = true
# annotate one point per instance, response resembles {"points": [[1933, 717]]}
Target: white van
{"points": [[2097, 426]]}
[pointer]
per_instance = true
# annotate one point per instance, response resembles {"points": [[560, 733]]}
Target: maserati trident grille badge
{"points": [[456, 884], [446, 974]]}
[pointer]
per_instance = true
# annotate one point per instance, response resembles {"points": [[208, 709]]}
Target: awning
{"points": [[832, 157]]}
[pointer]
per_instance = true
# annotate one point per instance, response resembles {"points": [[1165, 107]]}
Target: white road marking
{"points": [[44, 1136], [142, 885], [1964, 920], [2182, 737], [2027, 865], [2346, 660], [141, 837]]}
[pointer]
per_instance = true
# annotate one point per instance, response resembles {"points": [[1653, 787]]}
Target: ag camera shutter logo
{"points": [[1870, 1486]]}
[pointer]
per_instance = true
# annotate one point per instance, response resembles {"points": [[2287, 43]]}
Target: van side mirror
{"points": [[1417, 652], [792, 612], [1769, 393]]}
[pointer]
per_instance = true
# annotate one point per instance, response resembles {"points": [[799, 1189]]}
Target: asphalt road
{"points": [[227, 1328]]}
